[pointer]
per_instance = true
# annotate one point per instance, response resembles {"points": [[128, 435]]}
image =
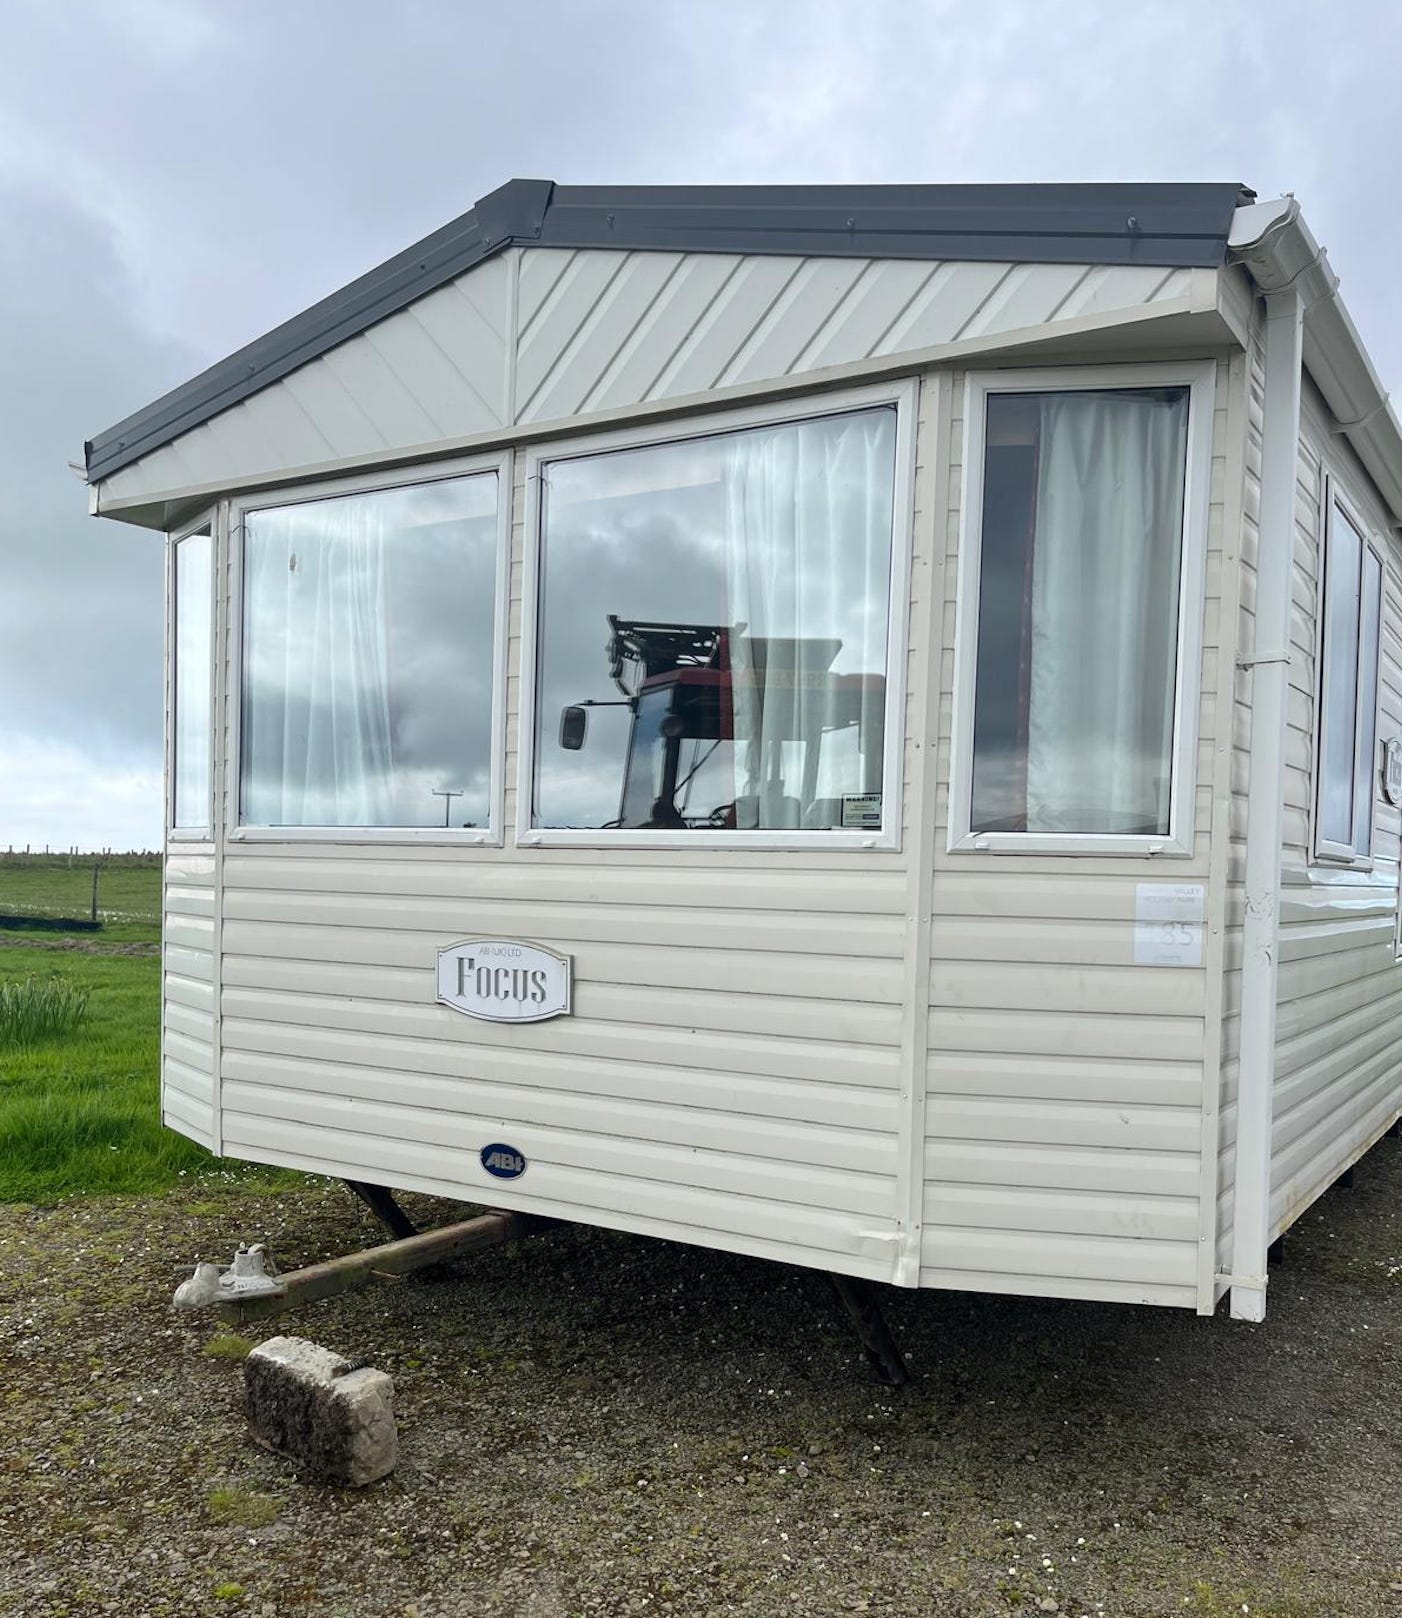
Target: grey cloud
{"points": [[176, 176]]}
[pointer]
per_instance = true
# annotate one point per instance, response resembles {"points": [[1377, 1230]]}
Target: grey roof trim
{"points": [[1172, 226]]}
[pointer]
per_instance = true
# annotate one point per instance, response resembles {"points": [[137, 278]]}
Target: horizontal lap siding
{"points": [[1064, 1099], [187, 1022], [700, 1085], [1338, 1059], [731, 1072]]}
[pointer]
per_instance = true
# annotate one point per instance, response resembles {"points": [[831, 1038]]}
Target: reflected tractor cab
{"points": [[731, 731]]}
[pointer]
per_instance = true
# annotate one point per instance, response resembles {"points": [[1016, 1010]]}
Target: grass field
{"points": [[55, 885], [80, 1110]]}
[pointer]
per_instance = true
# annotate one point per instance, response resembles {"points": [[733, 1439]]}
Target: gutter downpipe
{"points": [[1291, 271]]}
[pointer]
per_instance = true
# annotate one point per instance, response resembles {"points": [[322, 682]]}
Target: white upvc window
{"points": [[713, 634], [1079, 628], [1346, 741], [371, 625], [190, 684]]}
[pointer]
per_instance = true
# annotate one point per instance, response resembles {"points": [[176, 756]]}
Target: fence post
{"points": [[97, 867]]}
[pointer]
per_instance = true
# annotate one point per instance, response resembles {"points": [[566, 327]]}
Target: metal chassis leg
{"points": [[380, 1201], [859, 1300]]}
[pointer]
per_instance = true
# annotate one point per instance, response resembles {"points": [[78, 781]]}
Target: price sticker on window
{"points": [[1168, 924]]}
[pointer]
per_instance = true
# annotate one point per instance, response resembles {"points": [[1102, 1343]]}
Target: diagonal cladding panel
{"points": [[601, 330]]}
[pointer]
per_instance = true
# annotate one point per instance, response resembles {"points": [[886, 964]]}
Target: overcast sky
{"points": [[176, 176]]}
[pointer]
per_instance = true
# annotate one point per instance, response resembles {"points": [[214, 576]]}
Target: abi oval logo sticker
{"points": [[503, 1161]]}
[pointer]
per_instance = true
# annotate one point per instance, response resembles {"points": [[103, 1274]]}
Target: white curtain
{"points": [[1109, 513], [317, 742], [808, 528], [194, 662]]}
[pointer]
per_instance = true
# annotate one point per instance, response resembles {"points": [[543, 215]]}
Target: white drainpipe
{"points": [[1276, 246]]}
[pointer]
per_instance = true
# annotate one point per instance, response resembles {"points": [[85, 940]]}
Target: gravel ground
{"points": [[596, 1424]]}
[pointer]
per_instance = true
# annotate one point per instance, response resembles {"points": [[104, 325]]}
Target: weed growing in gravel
{"points": [[241, 1506], [33, 1009], [227, 1345], [228, 1591]]}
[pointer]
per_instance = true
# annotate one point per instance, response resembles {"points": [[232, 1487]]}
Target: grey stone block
{"points": [[305, 1402]]}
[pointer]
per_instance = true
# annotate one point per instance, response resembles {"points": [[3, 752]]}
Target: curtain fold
{"points": [[318, 748], [808, 521], [1104, 618]]}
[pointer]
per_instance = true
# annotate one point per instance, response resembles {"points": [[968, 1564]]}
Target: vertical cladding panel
{"points": [[1239, 733], [1065, 1094], [187, 1024], [1338, 1076]]}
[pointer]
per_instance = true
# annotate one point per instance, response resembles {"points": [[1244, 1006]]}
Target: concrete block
{"points": [[306, 1403]]}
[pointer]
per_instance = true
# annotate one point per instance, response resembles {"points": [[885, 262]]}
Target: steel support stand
{"points": [[859, 1300], [380, 1201]]}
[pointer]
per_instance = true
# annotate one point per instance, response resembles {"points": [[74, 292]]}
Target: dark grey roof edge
{"points": [[1167, 225]]}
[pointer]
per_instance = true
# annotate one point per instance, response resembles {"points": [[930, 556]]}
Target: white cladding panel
{"points": [[755, 1036], [1338, 1074], [595, 330], [187, 1019], [1065, 1098], [731, 1072]]}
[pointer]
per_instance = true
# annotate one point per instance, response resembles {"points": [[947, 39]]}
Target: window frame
{"points": [[205, 523], [490, 835], [1200, 378], [1323, 850], [903, 393]]}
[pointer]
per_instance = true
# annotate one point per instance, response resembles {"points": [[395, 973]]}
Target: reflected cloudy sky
{"points": [[368, 649]]}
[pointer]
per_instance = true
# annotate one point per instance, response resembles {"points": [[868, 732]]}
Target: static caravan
{"points": [[853, 725]]}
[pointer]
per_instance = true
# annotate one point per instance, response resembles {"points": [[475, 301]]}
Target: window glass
{"points": [[715, 612], [191, 679], [1081, 553], [368, 658], [1349, 684], [1366, 764]]}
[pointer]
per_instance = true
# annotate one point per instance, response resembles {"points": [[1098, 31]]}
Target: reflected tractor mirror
{"points": [[574, 723]]}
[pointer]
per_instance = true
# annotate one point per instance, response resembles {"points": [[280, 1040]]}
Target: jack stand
{"points": [[859, 1300], [380, 1201]]}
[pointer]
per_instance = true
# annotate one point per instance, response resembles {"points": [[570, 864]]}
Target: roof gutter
{"points": [[1307, 329], [1273, 242]]}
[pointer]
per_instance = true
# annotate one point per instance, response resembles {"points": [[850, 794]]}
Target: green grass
{"points": [[35, 1009], [241, 1506], [81, 1112], [129, 891], [227, 1345], [80, 1023]]}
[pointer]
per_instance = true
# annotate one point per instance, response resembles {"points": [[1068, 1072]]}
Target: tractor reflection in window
{"points": [[810, 744]]}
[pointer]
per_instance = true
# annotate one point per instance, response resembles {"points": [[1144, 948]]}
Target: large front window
{"points": [[1079, 571], [369, 659], [713, 631]]}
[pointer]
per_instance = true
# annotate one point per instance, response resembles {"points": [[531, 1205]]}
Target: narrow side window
{"points": [[1080, 568], [191, 681], [1346, 769]]}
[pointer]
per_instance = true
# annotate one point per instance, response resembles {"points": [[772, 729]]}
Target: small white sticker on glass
{"points": [[1168, 924]]}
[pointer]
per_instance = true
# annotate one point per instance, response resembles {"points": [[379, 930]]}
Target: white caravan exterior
{"points": [[893, 1032]]}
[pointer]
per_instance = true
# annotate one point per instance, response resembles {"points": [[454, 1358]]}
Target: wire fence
{"points": [[44, 890]]}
